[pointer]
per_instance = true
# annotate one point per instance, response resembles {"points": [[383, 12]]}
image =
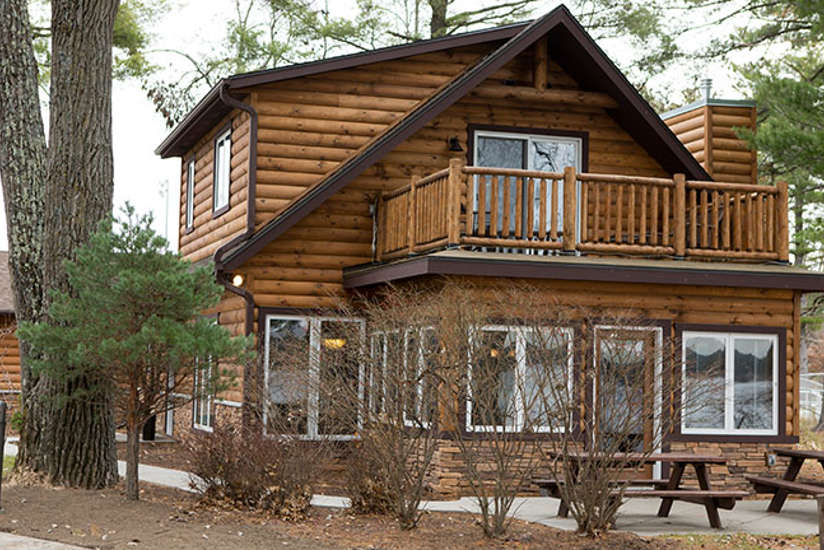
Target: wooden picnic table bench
{"points": [[782, 487], [668, 490]]}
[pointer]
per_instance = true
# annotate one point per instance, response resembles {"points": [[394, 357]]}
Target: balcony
{"points": [[528, 212]]}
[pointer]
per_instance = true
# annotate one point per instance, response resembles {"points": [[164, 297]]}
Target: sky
{"points": [[150, 183]]}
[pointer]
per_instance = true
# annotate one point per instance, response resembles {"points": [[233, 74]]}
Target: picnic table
{"points": [[788, 484], [668, 490]]}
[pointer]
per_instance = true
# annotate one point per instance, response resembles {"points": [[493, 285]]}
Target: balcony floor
{"points": [[586, 268]]}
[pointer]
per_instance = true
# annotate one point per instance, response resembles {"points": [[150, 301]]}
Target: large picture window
{"points": [[514, 376], [403, 373], [204, 400], [730, 383], [307, 361], [222, 170]]}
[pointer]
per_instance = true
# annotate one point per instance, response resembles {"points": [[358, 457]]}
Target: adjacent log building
{"points": [[518, 153]]}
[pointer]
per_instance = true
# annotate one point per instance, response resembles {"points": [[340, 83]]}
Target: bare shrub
{"points": [[242, 467], [366, 485]]}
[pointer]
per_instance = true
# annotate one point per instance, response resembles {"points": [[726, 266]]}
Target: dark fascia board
{"points": [[363, 276], [210, 109], [394, 135]]}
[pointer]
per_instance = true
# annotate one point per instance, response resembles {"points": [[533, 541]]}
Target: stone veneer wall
{"points": [[447, 479]]}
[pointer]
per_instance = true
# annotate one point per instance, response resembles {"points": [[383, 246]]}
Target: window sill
{"points": [[220, 211]]}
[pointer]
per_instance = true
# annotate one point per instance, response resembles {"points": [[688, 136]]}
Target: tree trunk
{"points": [[72, 441], [437, 23], [132, 459], [23, 173]]}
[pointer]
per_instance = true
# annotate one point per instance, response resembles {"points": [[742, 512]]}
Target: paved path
{"points": [[638, 515]]}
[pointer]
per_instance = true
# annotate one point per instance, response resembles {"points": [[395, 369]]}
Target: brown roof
{"points": [[576, 51], [6, 296]]}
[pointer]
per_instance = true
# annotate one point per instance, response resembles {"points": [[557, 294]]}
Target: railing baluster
{"points": [[725, 236], [759, 221], [750, 225], [519, 207], [705, 218], [680, 215], [654, 216], [481, 182], [471, 194], [412, 215], [665, 217], [737, 223], [619, 215], [693, 206], [542, 212], [714, 205], [608, 216], [596, 213], [771, 222], [530, 208], [631, 216], [493, 208], [583, 208], [505, 209], [643, 220]]}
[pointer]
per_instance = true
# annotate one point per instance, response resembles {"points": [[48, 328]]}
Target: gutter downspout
{"points": [[251, 172]]}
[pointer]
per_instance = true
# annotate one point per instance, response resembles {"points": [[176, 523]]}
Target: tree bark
{"points": [[437, 23], [71, 441], [132, 455]]}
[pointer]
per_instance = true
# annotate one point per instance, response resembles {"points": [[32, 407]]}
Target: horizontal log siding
{"points": [[9, 355], [709, 134], [209, 233], [682, 304]]}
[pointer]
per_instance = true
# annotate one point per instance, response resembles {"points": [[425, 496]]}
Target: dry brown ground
{"points": [[166, 519]]}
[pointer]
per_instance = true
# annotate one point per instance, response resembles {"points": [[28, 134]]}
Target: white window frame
{"points": [[203, 401], [313, 357], [420, 386], [222, 170], [190, 194], [729, 382], [520, 357], [529, 137]]}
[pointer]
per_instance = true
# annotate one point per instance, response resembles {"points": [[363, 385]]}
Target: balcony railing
{"points": [[523, 210]]}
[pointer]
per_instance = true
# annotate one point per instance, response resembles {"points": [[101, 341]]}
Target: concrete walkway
{"points": [[638, 515], [16, 542]]}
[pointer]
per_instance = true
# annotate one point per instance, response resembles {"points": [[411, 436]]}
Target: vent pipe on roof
{"points": [[706, 86]]}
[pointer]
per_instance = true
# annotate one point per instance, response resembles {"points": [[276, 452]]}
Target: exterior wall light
{"points": [[455, 144], [238, 279]]}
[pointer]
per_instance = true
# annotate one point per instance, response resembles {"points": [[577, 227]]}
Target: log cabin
{"points": [[517, 153]]}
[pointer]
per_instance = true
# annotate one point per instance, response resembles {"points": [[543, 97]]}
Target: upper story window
{"points": [[223, 157], [190, 194], [730, 382], [505, 149]]}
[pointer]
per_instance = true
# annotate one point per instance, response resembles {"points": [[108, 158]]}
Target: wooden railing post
{"points": [[782, 222], [453, 199], [570, 210], [411, 218], [680, 213]]}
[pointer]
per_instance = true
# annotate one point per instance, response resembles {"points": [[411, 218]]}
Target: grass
{"points": [[8, 464]]}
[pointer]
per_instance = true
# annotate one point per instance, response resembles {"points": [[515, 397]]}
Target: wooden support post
{"points": [[411, 214], [453, 199], [782, 222], [570, 211], [680, 214], [541, 65]]}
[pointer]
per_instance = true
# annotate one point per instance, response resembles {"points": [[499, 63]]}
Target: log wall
{"points": [[209, 232], [708, 132], [9, 355]]}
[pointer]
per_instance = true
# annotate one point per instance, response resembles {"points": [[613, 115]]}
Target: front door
{"points": [[545, 153], [627, 392]]}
